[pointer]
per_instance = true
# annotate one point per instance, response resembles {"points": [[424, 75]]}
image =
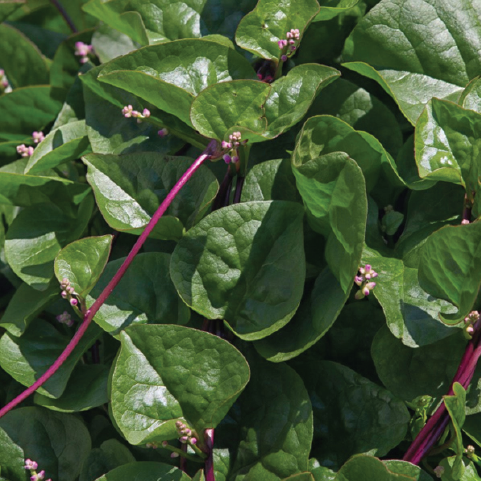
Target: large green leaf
{"points": [[170, 75], [260, 30], [332, 8], [21, 59], [459, 280], [7, 8], [315, 316], [221, 107], [27, 109], [130, 188], [471, 98], [404, 467], [352, 414], [145, 471], [66, 143], [333, 190], [244, 264], [36, 236], [82, 262], [12, 460], [166, 373], [412, 314], [59, 443], [145, 295], [275, 421], [26, 358], [417, 51]]}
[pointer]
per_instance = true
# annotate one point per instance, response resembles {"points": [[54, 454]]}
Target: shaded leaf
{"points": [[145, 471]]}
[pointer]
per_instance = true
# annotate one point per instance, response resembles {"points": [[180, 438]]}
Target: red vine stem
{"points": [[65, 15], [208, 153], [209, 462]]}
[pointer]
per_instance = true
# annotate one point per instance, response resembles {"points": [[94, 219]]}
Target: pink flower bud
{"points": [[235, 159], [470, 330], [165, 444], [365, 291], [227, 158], [193, 441], [174, 455], [163, 132], [29, 464], [179, 424], [38, 137], [465, 221], [284, 58], [226, 145], [64, 294], [183, 439], [146, 113], [73, 302], [282, 44]]}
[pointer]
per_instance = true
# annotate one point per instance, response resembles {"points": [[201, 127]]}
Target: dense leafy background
{"points": [[239, 313]]}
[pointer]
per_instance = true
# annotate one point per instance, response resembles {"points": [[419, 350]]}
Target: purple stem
{"points": [[433, 429], [111, 285], [238, 189], [65, 15], [209, 462]]}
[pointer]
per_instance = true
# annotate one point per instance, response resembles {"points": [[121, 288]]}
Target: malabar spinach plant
{"points": [[239, 241]]}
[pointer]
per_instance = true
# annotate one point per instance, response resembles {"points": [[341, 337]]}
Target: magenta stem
{"points": [[110, 286], [209, 462], [65, 15]]}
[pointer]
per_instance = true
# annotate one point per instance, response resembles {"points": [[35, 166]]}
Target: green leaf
{"points": [[145, 295], [260, 30], [130, 188], [272, 446], [36, 236], [339, 396], [455, 406], [59, 443], [86, 389], [82, 262], [333, 189], [240, 103], [167, 373], [449, 464], [26, 110], [320, 473], [145, 471], [403, 467], [109, 43], [362, 111], [412, 314], [8, 8], [12, 458], [26, 358], [171, 75], [470, 99], [459, 281], [333, 8], [244, 264], [315, 316], [25, 305], [271, 180], [21, 59], [61, 145], [415, 64]]}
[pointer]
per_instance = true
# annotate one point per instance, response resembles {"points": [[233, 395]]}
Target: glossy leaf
{"points": [[459, 281], [145, 471], [21, 59], [408, 469], [158, 75], [59, 443], [61, 145], [330, 9], [130, 188], [12, 459], [166, 373], [470, 473], [260, 30], [333, 190], [28, 357], [82, 262], [339, 396], [252, 275], [414, 59], [145, 295], [470, 98]]}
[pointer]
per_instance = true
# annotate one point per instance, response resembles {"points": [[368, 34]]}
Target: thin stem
{"points": [[238, 189], [209, 462], [183, 460], [225, 185], [65, 15], [112, 284], [467, 209]]}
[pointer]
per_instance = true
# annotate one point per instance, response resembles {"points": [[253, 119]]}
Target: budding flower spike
{"points": [[364, 281], [235, 140], [438, 471], [290, 44], [128, 112], [68, 292], [31, 465], [65, 318], [38, 137], [24, 151], [83, 51]]}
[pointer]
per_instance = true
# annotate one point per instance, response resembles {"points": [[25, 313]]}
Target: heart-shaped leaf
{"points": [[147, 471]]}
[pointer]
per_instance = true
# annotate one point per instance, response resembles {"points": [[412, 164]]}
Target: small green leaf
{"points": [[109, 43], [451, 470], [459, 281], [82, 262], [408, 469], [130, 188], [244, 264], [221, 107], [338, 397], [26, 358], [260, 30], [61, 145], [59, 443], [166, 373], [145, 471], [144, 295], [12, 458]]}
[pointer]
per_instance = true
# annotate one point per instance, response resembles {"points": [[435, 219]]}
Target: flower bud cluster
{"points": [[470, 322], [32, 466], [232, 146], [68, 292], [24, 151], [38, 137], [152, 445], [186, 435], [364, 281], [65, 318], [128, 112], [290, 45], [83, 51], [438, 471]]}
